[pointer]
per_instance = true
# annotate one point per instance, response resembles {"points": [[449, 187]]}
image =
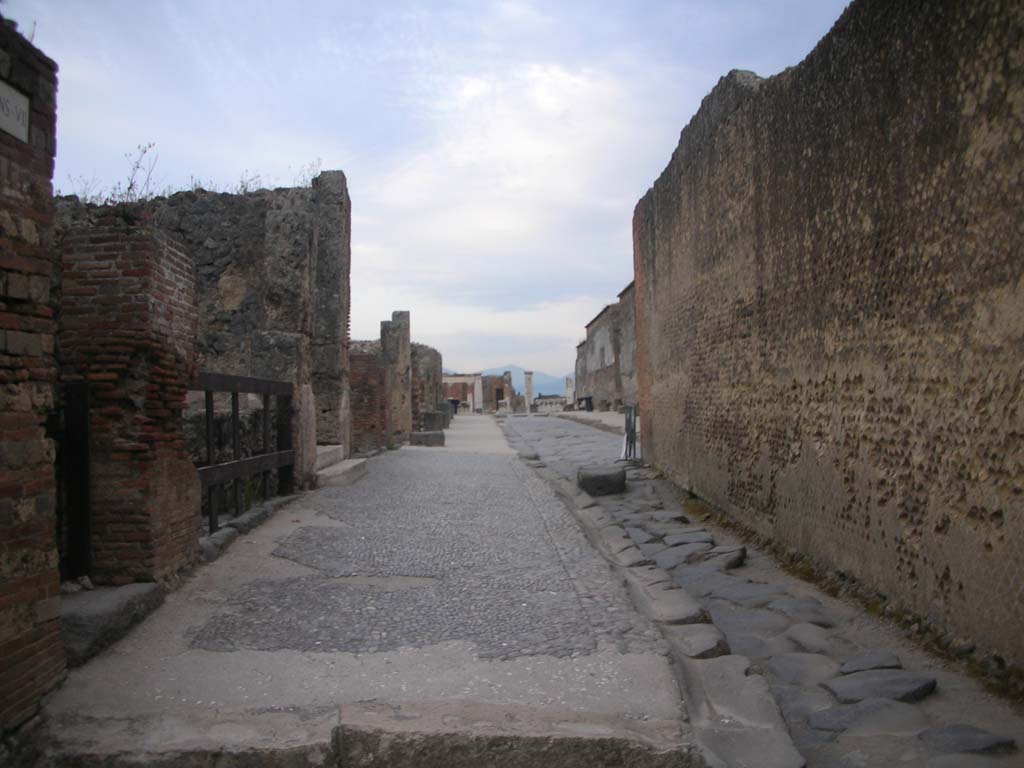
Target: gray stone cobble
{"points": [[506, 569]]}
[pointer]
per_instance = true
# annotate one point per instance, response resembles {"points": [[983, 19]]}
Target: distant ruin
{"points": [[605, 360], [829, 294]]}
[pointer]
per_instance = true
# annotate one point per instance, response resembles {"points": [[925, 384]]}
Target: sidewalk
{"points": [[445, 610], [850, 688]]}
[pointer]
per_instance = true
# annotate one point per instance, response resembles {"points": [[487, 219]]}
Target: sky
{"points": [[494, 149]]}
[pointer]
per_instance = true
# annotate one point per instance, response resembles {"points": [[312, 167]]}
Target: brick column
{"points": [[128, 328]]}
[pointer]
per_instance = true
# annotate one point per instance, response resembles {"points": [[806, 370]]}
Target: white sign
{"points": [[14, 109]]}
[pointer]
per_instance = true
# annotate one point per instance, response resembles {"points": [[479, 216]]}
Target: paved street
{"points": [[448, 591], [852, 691]]}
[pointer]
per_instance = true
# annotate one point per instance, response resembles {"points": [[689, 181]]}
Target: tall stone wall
{"points": [[273, 286], [128, 324], [31, 653], [396, 352], [830, 308], [427, 389], [605, 361]]}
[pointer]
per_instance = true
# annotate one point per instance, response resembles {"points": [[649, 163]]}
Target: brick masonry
{"points": [[369, 382], [128, 323], [830, 308], [31, 654]]}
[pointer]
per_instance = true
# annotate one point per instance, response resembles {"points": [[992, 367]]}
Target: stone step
{"points": [[329, 455], [343, 473], [91, 620]]}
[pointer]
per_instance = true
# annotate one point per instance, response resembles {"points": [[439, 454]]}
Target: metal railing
{"points": [[282, 459]]}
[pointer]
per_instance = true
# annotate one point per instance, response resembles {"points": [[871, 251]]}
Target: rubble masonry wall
{"points": [[830, 308]]}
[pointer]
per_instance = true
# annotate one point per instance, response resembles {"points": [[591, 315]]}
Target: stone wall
{"points": [[467, 388], [31, 653], [273, 285], [396, 352], [127, 327], [605, 361], [427, 389], [830, 308], [496, 389]]}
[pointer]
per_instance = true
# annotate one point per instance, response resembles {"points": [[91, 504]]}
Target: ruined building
{"points": [[107, 316], [396, 387], [829, 294], [605, 360]]}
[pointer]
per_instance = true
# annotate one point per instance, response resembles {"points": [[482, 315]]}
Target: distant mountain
{"points": [[543, 383]]}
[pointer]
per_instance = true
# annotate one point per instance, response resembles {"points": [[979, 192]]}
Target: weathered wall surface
{"points": [[31, 653], [273, 282], [427, 389], [396, 352], [495, 389], [128, 324], [369, 379], [830, 307], [332, 308], [605, 361]]}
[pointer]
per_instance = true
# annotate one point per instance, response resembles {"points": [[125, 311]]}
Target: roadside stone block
{"points": [[960, 737], [601, 481], [428, 439], [881, 683]]}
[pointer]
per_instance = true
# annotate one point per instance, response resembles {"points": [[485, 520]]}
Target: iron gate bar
{"points": [[216, 474], [225, 382]]}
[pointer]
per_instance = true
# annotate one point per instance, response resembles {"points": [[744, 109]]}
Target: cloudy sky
{"points": [[494, 149]]}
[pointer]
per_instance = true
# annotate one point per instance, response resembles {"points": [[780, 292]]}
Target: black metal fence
{"points": [[238, 469]]}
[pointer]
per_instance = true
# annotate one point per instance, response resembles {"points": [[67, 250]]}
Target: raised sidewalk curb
{"points": [[734, 717]]}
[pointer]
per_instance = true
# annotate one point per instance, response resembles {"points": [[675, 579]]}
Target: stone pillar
{"points": [[529, 391], [570, 390], [31, 652], [396, 351], [331, 301], [478, 394], [128, 322]]}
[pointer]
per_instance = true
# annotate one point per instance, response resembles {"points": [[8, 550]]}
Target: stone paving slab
{"points": [[793, 635]]}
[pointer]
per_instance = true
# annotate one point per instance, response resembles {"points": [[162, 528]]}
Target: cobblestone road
{"points": [[476, 550], [448, 592]]}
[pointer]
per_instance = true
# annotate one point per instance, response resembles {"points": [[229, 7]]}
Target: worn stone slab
{"points": [[880, 683], [804, 609], [798, 702], [665, 603], [961, 737], [750, 594], [93, 619], [639, 535], [802, 668], [810, 638], [601, 481], [675, 556], [343, 473], [696, 641], [584, 501], [870, 660], [693, 537], [631, 557], [653, 548], [725, 558], [246, 522], [429, 439], [735, 716], [876, 711], [528, 455]]}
